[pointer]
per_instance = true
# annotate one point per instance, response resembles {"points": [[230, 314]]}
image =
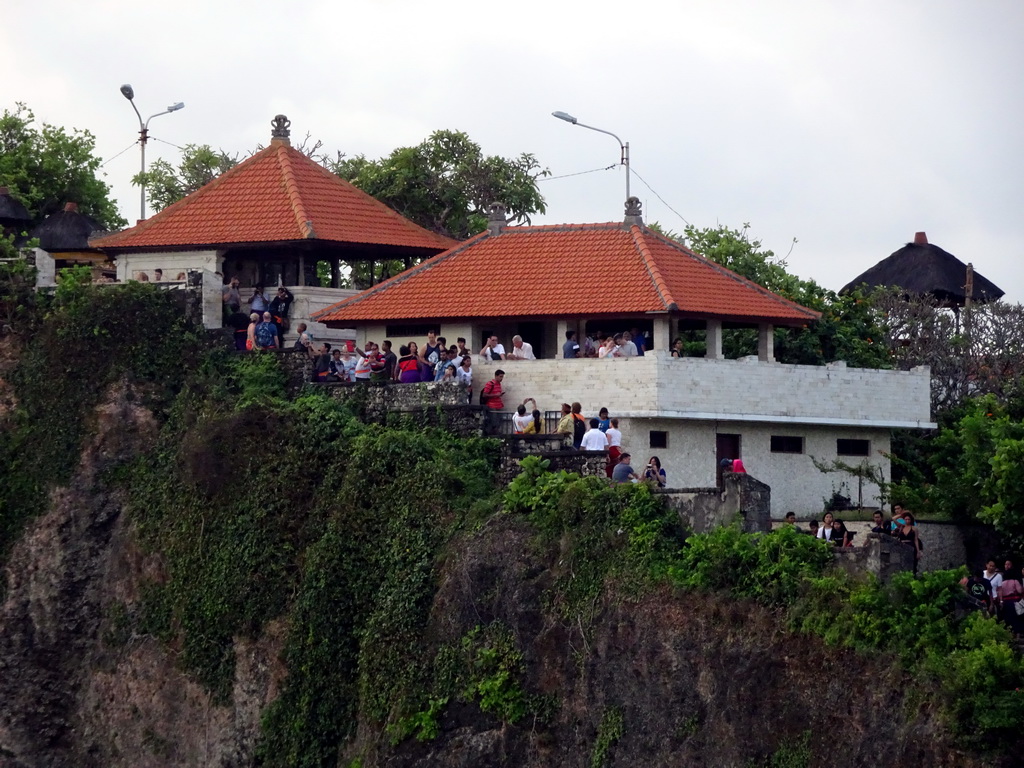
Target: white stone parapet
{"points": [[659, 386]]}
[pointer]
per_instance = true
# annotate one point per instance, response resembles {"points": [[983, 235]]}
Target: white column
{"points": [[714, 339], [662, 328], [766, 343]]}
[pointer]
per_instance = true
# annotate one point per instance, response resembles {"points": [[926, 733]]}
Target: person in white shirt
{"points": [[628, 348], [464, 373], [594, 439], [994, 577], [521, 418], [521, 350], [493, 350]]}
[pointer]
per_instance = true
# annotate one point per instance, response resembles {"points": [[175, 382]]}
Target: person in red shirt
{"points": [[490, 398]]}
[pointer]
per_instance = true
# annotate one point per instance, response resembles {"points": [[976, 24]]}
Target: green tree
{"points": [[200, 164], [849, 327], [445, 183], [45, 166]]}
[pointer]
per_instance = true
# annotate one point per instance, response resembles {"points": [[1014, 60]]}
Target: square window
{"points": [[787, 444], [846, 447], [659, 438]]}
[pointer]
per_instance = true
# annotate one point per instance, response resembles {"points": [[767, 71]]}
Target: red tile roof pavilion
{"points": [[567, 270], [278, 196]]}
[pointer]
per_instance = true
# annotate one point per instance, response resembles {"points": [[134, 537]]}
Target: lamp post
{"points": [[128, 93], [624, 147]]}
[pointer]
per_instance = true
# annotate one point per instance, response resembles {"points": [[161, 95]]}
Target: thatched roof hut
{"points": [[922, 268], [13, 215], [66, 231]]}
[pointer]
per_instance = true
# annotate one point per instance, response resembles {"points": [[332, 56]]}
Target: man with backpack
{"points": [[490, 398], [579, 425], [266, 333]]}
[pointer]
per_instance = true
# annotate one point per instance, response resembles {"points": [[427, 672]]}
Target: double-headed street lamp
{"points": [[128, 93], [624, 147]]}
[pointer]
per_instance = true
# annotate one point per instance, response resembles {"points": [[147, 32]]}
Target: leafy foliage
{"points": [[445, 183], [848, 329], [46, 166], [90, 339], [971, 468], [199, 165]]}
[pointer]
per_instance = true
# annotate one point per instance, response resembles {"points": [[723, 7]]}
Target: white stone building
{"points": [[691, 412]]}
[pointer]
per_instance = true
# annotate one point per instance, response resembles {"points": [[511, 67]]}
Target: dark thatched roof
{"points": [[920, 267], [11, 211], [66, 230]]}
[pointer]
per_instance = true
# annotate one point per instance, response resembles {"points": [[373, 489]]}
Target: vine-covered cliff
{"points": [[201, 570]]}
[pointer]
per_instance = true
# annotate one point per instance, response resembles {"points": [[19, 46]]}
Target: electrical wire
{"points": [[578, 173], [154, 138], [677, 213], [119, 153]]}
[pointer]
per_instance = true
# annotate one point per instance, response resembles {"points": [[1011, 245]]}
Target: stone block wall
{"points": [[742, 497], [881, 555]]}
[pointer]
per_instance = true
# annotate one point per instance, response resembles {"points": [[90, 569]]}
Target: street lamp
{"points": [[128, 93], [624, 147]]}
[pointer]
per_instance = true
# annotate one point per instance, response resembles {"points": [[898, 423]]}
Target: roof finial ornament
{"points": [[633, 215], [496, 220], [280, 125]]}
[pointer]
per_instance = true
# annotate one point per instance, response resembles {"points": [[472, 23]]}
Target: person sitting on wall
{"points": [[279, 308], [614, 445], [623, 472], [492, 349], [594, 439], [536, 426], [266, 333], [678, 350], [571, 347], [521, 350], [491, 399], [790, 519], [305, 340], [655, 472], [520, 418]]}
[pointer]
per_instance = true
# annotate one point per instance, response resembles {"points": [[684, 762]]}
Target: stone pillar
{"points": [[662, 337], [766, 343], [302, 270], [714, 339], [213, 303]]}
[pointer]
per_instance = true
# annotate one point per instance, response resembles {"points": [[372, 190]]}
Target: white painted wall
{"points": [[657, 386], [694, 399], [173, 263]]}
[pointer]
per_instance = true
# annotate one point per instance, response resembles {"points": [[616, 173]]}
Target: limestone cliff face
{"points": [[696, 681], [73, 694]]}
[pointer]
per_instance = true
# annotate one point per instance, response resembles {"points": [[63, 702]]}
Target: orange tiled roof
{"points": [[568, 270], [270, 198]]}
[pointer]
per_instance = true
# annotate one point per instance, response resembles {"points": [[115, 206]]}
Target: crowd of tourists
{"points": [[999, 592]]}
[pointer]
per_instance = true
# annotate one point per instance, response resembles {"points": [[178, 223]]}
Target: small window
{"points": [[413, 330], [659, 438], [787, 444], [853, 447]]}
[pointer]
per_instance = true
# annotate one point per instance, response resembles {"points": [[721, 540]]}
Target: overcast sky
{"points": [[846, 125]]}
